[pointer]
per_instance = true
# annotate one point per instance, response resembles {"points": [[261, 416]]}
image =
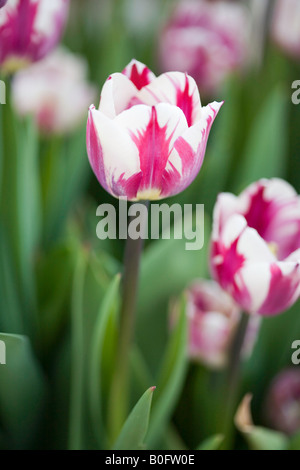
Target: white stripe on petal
{"points": [[116, 95], [170, 88], [256, 277], [200, 130], [119, 152], [136, 119]]}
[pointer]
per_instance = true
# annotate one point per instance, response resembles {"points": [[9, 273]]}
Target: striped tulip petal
{"points": [[138, 74]]}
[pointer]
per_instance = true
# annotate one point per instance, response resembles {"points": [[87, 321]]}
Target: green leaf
{"points": [[54, 274], [212, 443], [64, 173], [135, 428], [171, 379], [265, 152], [11, 314], [260, 438], [91, 281], [102, 357], [295, 442], [22, 390]]}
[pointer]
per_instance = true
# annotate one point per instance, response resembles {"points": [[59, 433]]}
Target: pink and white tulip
{"points": [[212, 321], [148, 138], [286, 26], [29, 30], [208, 40], [255, 252], [46, 90], [283, 401]]}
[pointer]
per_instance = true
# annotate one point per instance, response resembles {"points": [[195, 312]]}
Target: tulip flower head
{"points": [[255, 252], [285, 26], [29, 30], [206, 39], [46, 91], [283, 401], [212, 321], [148, 138]]}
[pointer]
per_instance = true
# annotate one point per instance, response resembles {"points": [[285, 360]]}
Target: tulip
{"points": [[208, 40], [255, 251], [46, 90], [29, 30], [283, 401], [148, 138], [212, 321], [285, 26]]}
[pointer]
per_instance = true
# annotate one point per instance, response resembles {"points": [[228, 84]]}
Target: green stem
{"points": [[232, 380], [119, 397]]}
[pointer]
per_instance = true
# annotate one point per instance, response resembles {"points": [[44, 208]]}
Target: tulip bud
{"points": [[283, 401], [212, 321], [285, 26], [255, 250], [208, 40], [148, 138], [46, 90], [29, 30]]}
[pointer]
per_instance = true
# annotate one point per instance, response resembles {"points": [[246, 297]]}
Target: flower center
{"points": [[273, 247]]}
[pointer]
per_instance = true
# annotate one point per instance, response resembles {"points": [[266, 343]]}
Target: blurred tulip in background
{"points": [[212, 320], [286, 26], [255, 253], [283, 401], [29, 30], [208, 40], [55, 91]]}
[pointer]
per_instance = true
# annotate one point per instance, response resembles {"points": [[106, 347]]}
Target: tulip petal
{"points": [[283, 288], [190, 150], [113, 156], [118, 93], [138, 73], [175, 88], [154, 131]]}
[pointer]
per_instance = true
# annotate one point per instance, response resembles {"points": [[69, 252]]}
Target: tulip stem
{"points": [[232, 380], [119, 397]]}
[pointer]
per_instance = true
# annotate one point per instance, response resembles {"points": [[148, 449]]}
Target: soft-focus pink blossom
{"points": [[212, 321], [208, 40], [55, 91], [29, 30], [286, 26], [283, 401], [148, 138], [255, 250]]}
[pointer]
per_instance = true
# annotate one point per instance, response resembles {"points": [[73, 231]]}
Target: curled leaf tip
{"points": [[243, 418]]}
